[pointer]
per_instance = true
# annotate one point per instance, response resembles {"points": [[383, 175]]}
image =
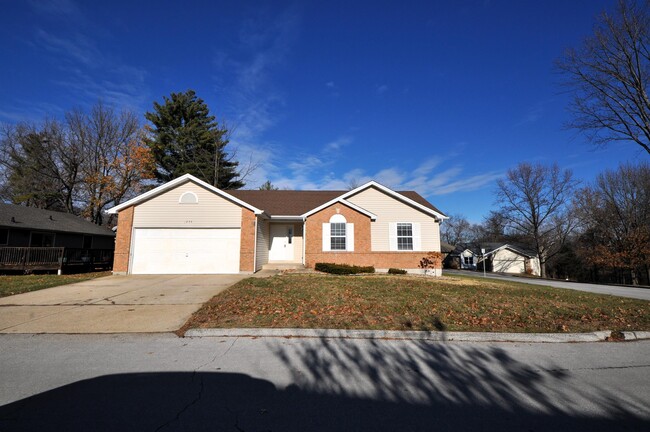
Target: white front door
{"points": [[281, 243]]}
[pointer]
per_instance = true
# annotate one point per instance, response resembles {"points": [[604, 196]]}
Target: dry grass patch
{"points": [[18, 284], [415, 303]]}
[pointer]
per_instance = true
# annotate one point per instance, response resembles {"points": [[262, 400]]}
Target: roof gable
{"points": [[177, 182]]}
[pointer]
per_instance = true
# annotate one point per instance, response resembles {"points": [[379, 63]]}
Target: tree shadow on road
{"points": [[337, 385]]}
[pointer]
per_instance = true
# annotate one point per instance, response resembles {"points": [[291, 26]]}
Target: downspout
{"points": [[255, 247], [304, 239]]}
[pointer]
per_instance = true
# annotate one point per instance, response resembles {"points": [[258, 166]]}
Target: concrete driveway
{"points": [[113, 304], [614, 290]]}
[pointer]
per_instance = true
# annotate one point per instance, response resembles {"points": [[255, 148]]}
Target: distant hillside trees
{"points": [[84, 164], [615, 212], [185, 138]]}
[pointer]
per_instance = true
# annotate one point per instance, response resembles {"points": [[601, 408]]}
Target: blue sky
{"points": [[442, 97]]}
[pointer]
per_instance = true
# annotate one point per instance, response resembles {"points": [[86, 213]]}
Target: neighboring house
{"points": [[187, 226], [499, 257], [510, 258], [462, 256], [36, 239]]}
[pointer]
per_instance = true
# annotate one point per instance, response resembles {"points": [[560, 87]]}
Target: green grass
{"points": [[10, 285], [416, 303]]}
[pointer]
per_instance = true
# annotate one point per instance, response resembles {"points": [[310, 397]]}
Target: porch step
{"points": [[283, 266]]}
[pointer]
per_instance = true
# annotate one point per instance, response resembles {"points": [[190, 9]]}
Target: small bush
{"points": [[396, 271], [343, 269]]}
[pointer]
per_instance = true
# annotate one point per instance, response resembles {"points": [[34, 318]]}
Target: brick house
{"points": [[187, 226]]}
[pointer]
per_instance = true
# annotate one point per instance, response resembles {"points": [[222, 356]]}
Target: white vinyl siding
{"points": [[389, 211], [262, 246], [165, 210]]}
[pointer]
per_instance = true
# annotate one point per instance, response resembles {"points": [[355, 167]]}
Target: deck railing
{"points": [[31, 258], [54, 258]]}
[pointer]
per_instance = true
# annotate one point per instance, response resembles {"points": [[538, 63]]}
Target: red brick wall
{"points": [[363, 254], [123, 240], [247, 248]]}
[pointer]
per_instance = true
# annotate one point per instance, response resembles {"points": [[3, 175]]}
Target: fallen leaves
{"points": [[399, 303]]}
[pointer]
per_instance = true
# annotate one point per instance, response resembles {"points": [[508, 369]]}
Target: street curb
{"points": [[639, 335], [598, 336]]}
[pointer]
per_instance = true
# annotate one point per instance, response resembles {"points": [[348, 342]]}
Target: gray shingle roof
{"points": [[16, 216]]}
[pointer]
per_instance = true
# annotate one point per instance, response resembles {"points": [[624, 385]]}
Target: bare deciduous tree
{"points": [[608, 77], [91, 161], [456, 229], [534, 201]]}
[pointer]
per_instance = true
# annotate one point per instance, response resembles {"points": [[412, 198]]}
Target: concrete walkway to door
{"points": [[113, 304]]}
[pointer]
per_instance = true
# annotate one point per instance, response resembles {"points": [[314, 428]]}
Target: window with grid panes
{"points": [[337, 236], [404, 236]]}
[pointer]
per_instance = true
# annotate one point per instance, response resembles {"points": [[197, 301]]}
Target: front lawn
{"points": [[10, 285], [415, 303]]}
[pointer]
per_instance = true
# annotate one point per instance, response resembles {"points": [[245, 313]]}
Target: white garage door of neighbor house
{"points": [[185, 251]]}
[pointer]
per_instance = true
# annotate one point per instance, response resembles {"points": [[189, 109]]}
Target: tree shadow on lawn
{"points": [[337, 385]]}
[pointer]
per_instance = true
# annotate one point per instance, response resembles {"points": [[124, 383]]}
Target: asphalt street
{"points": [[621, 291], [145, 382]]}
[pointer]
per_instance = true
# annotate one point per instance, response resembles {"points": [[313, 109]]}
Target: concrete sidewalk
{"points": [[113, 304]]}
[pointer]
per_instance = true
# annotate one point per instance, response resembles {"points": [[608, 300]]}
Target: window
{"points": [[42, 240], [337, 236], [469, 260], [4, 236], [87, 242], [404, 236], [189, 198]]}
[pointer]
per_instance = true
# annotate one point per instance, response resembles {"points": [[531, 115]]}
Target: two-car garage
{"points": [[185, 250], [185, 226]]}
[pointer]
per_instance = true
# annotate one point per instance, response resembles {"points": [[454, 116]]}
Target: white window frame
{"points": [[416, 234], [188, 193], [410, 226], [327, 234]]}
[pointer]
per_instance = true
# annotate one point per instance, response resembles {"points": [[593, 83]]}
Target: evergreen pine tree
{"points": [[186, 139]]}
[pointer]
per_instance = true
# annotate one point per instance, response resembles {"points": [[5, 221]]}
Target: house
{"points": [[463, 257], [512, 258], [36, 239], [499, 257], [187, 226]]}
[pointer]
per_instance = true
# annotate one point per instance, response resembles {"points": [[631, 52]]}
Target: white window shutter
{"points": [[392, 236], [349, 237], [327, 241], [417, 237]]}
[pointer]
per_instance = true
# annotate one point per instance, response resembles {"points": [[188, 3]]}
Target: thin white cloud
{"points": [[77, 48], [338, 143], [381, 89], [330, 84], [55, 8], [245, 85]]}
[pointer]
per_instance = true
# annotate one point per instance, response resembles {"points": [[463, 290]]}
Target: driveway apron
{"points": [[113, 304]]}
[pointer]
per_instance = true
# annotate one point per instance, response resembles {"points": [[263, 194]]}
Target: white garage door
{"points": [[185, 251]]}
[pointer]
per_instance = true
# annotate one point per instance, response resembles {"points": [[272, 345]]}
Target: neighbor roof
{"points": [[299, 202], [17, 216]]}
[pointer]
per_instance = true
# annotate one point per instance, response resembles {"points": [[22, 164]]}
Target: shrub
{"points": [[396, 271], [432, 261], [342, 269]]}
